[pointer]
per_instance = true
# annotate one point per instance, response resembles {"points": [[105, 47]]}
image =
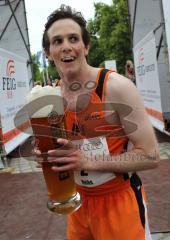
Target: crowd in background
{"points": [[49, 82], [129, 73]]}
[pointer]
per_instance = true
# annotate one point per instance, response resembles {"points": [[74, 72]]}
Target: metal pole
{"points": [[164, 34], [130, 27], [134, 19], [30, 57]]}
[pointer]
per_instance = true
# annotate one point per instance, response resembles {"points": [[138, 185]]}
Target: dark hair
{"points": [[62, 13]]}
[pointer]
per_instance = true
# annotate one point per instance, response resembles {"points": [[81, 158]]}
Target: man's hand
{"points": [[66, 157]]}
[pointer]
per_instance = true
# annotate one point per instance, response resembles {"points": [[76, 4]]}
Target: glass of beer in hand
{"points": [[47, 120]]}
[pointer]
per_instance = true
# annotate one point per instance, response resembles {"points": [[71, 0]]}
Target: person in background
{"points": [[129, 70], [37, 83], [57, 82], [104, 112], [49, 82]]}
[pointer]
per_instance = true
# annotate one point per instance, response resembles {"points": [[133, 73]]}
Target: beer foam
{"points": [[38, 92]]}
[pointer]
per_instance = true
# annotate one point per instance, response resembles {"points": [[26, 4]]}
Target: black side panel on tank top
{"points": [[99, 89]]}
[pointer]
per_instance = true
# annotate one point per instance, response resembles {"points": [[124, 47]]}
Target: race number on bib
{"points": [[92, 148]]}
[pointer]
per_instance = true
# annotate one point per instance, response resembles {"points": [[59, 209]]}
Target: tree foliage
{"points": [[37, 76], [110, 34], [40, 74], [52, 71]]}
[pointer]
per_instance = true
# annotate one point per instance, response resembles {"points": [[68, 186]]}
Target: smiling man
{"points": [[104, 112]]}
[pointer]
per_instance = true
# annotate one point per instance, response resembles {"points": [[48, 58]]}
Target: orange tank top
{"points": [[91, 131]]}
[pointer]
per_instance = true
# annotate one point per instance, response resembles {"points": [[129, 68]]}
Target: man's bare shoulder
{"points": [[117, 80], [119, 86]]}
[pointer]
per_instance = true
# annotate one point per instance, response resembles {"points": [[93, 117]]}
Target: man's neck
{"points": [[74, 83], [81, 76], [75, 88]]}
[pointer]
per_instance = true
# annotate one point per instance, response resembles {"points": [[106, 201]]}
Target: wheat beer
{"points": [[47, 122]]}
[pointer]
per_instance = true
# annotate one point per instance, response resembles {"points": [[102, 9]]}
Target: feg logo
{"points": [[144, 68], [8, 81], [141, 66]]}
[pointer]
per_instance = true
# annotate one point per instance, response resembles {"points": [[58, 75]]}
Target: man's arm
{"points": [[144, 154]]}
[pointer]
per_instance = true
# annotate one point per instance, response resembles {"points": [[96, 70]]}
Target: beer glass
{"points": [[63, 197]]}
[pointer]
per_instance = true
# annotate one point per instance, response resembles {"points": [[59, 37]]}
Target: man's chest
{"points": [[92, 122]]}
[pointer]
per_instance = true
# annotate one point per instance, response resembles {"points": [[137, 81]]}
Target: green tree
{"points": [[110, 34], [37, 76], [39, 73], [52, 71]]}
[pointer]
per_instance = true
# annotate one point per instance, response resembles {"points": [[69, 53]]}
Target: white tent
{"points": [[15, 40], [14, 30]]}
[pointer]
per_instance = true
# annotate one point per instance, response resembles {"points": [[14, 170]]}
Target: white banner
{"points": [[14, 85], [10, 35], [111, 65], [147, 79]]}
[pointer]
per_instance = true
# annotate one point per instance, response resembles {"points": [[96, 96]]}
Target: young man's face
{"points": [[67, 49]]}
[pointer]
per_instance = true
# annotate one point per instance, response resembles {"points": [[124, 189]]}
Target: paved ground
{"points": [[157, 187], [23, 214]]}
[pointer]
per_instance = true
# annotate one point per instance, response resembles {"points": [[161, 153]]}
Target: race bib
{"points": [[92, 149]]}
